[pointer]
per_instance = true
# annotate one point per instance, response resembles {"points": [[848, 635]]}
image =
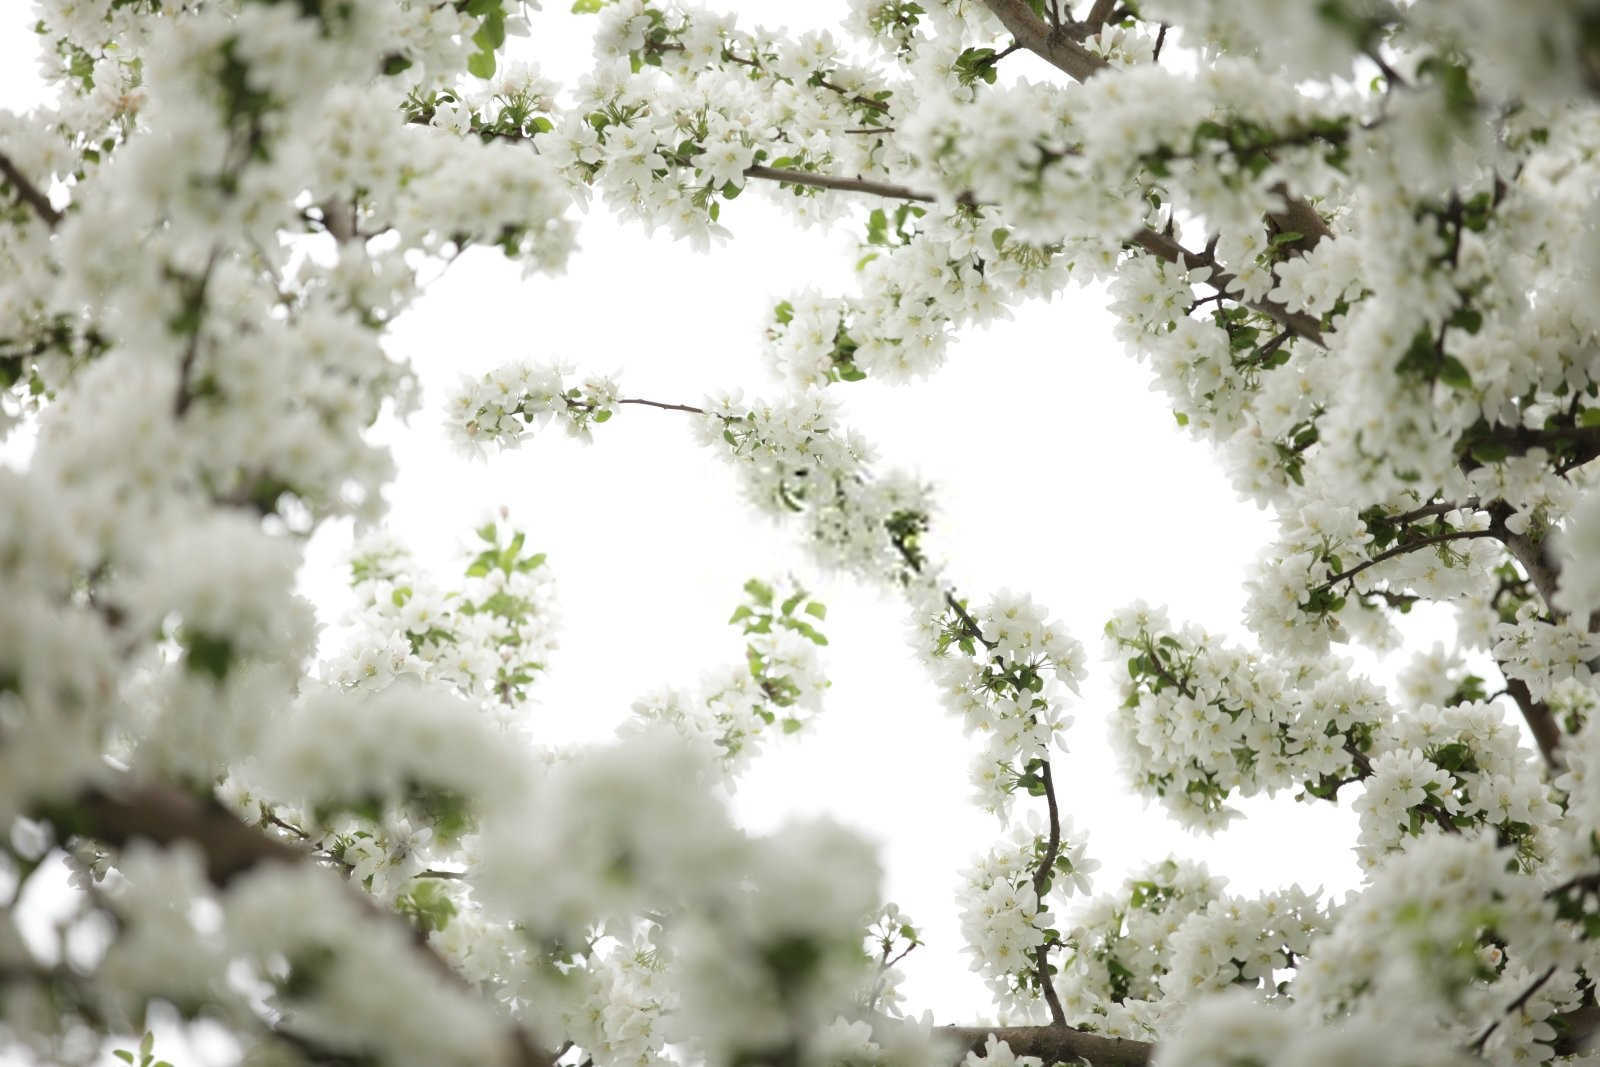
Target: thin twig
{"points": [[1515, 1005], [663, 405], [1401, 550], [1046, 863], [191, 351], [848, 185]]}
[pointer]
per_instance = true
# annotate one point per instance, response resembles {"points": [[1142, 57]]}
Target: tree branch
{"points": [[196, 318], [166, 815], [1541, 722], [1515, 1005], [1041, 878], [1157, 244], [28, 193], [848, 185], [1166, 247], [1438, 507], [1575, 1029], [1583, 441], [1062, 51], [1059, 48], [1053, 1044], [1100, 14], [1530, 555], [1363, 766], [664, 406], [1401, 550]]}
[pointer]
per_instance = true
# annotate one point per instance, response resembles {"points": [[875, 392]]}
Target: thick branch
{"points": [[1545, 576], [1053, 1044], [166, 816], [1298, 217], [1575, 1029], [1530, 555], [1541, 721], [28, 192], [1100, 14], [1582, 441], [1057, 48]]}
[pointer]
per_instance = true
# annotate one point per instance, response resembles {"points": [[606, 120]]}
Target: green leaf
{"points": [[877, 227], [1453, 372], [739, 613], [759, 591], [481, 65], [1490, 451], [427, 906], [492, 32], [124, 1055], [1468, 319], [209, 654], [817, 610]]}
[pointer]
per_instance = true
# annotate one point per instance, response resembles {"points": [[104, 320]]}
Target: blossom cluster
{"points": [[930, 275], [780, 684], [1202, 721], [1005, 669], [488, 639], [1005, 916], [1120, 947]]}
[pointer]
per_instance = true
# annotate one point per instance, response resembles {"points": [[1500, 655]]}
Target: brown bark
{"points": [[166, 815], [1054, 1044]]}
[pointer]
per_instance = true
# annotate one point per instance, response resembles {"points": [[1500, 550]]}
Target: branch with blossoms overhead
{"points": [[1355, 245]]}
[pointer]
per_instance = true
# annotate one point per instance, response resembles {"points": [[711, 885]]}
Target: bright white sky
{"points": [[1059, 473]]}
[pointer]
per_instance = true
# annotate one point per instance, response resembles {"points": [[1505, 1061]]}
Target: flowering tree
{"points": [[1358, 243]]}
